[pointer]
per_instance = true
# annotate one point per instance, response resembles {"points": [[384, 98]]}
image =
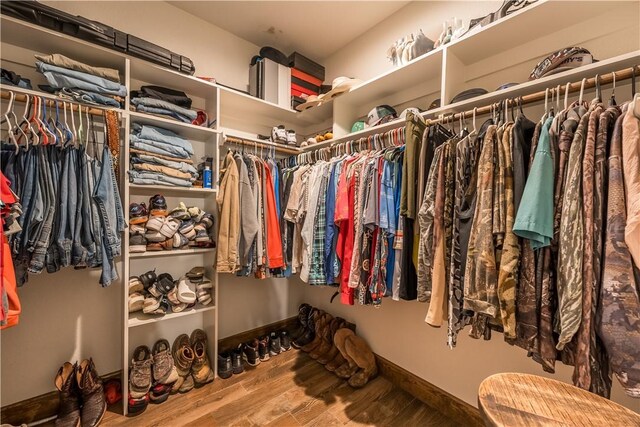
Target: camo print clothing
{"points": [[510, 257], [467, 152], [619, 304], [426, 218], [571, 241], [480, 277]]}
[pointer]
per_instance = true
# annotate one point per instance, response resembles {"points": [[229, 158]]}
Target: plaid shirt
{"points": [[316, 269]]}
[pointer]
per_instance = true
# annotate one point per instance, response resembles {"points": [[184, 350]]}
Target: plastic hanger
{"points": [[582, 83], [598, 88], [475, 109], [27, 123], [636, 95], [566, 95], [558, 92], [8, 121]]}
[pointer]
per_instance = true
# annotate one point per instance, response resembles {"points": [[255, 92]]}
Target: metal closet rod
{"points": [[589, 83], [623, 74], [52, 103], [250, 143]]}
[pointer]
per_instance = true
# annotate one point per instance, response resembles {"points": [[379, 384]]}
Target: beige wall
{"points": [[366, 56]]}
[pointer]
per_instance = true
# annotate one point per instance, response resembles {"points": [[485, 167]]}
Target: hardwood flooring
{"points": [[289, 390]]}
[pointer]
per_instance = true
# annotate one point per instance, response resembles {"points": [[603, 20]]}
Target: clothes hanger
{"points": [[44, 138], [598, 88], [566, 95], [475, 129], [635, 95], [9, 126], [558, 92], [612, 100], [582, 83], [16, 125]]}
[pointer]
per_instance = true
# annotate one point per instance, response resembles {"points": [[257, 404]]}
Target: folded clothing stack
{"points": [[160, 157], [167, 103], [81, 82]]}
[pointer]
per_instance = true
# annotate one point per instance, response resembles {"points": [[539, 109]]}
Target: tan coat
{"points": [[229, 218]]}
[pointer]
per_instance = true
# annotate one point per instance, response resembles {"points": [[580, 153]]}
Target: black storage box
{"points": [[95, 32], [302, 63]]}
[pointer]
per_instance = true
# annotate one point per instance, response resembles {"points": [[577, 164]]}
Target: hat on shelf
{"points": [[562, 60], [341, 85], [434, 104], [468, 94], [381, 114], [506, 86], [414, 110], [358, 126], [311, 101]]}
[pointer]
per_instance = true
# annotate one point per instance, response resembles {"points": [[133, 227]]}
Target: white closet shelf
{"points": [[414, 73], [237, 104], [41, 40], [187, 130], [176, 252], [616, 63], [535, 21], [139, 318], [141, 188]]}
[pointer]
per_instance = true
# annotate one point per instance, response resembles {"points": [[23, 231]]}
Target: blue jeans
{"points": [[59, 77], [154, 178], [152, 133], [164, 105], [48, 183], [158, 147], [87, 97], [67, 207], [111, 216]]}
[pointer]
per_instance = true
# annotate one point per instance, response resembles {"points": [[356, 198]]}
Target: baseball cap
{"points": [[381, 114], [358, 126], [562, 60]]}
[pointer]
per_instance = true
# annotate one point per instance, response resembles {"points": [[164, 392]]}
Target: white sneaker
{"points": [[291, 137], [279, 134]]}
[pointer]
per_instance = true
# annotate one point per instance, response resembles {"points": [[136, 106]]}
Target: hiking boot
{"points": [[225, 365], [285, 342], [157, 206], [310, 332], [140, 375], [236, 360], [93, 404], [182, 360], [164, 371], [250, 353], [159, 393], [138, 213], [274, 344], [67, 385], [263, 348], [201, 368]]}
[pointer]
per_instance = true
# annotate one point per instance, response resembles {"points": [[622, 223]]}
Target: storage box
{"points": [[302, 63], [270, 81]]}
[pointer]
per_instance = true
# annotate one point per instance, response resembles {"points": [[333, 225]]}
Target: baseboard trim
{"points": [[37, 408], [233, 341], [46, 405], [451, 406]]}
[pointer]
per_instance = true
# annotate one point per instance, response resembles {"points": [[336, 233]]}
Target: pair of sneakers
{"points": [[284, 136], [262, 348], [152, 375], [230, 362]]}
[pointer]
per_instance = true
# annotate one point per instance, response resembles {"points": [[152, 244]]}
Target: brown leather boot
{"points": [[93, 404], [327, 339], [335, 363], [321, 324], [67, 385], [331, 351]]}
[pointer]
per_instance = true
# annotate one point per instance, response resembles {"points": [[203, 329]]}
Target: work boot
{"points": [[67, 385], [93, 404]]}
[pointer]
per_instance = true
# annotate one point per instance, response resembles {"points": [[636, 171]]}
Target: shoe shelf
{"points": [[142, 188], [176, 252], [139, 318], [186, 130]]}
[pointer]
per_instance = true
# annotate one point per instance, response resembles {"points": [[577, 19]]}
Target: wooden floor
{"points": [[289, 390]]}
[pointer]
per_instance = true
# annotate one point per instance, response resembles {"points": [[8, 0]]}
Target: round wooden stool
{"points": [[514, 400]]}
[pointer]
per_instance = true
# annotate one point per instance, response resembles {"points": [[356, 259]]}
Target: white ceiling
{"points": [[314, 28]]}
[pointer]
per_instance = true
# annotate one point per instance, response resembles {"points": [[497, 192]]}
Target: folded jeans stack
{"points": [[159, 156], [81, 82], [167, 103], [8, 77]]}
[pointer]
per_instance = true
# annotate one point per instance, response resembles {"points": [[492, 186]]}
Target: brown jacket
{"points": [[229, 210]]}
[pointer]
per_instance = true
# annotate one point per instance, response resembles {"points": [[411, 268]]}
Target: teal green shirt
{"points": [[534, 219]]}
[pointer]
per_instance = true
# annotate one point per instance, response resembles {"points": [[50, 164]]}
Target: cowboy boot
{"points": [[303, 318], [331, 351], [320, 327], [93, 404], [327, 339], [362, 355], [336, 362], [310, 331], [67, 385], [349, 367]]}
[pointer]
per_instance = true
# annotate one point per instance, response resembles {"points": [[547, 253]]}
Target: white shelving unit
{"points": [[501, 52]]}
